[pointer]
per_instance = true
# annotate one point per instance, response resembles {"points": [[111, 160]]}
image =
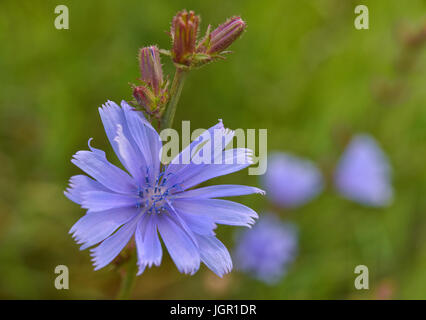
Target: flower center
{"points": [[154, 198]]}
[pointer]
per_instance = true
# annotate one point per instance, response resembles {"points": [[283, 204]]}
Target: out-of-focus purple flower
{"points": [[291, 181], [151, 201], [363, 173], [267, 250]]}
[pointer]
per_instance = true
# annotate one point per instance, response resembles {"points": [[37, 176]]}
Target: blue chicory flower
{"points": [[364, 174], [155, 200], [291, 181], [266, 250]]}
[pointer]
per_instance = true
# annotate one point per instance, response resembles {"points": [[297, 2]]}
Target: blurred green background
{"points": [[301, 70]]}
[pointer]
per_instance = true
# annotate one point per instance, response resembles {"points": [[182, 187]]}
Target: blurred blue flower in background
{"points": [[291, 181], [267, 250], [364, 174], [151, 200]]}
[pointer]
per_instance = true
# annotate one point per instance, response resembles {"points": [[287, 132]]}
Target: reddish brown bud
{"points": [[145, 98], [184, 32], [223, 36], [151, 70]]}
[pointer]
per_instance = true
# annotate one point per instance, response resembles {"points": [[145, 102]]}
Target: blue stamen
{"points": [[154, 197]]}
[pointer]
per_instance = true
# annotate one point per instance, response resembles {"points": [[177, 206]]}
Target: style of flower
{"points": [[291, 181], [363, 174], [152, 200], [267, 250]]}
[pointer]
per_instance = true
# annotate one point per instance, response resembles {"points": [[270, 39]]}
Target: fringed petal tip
{"points": [[143, 266], [108, 106], [193, 271], [95, 261], [227, 270], [189, 271], [252, 220], [141, 269], [125, 104], [78, 240], [68, 194]]}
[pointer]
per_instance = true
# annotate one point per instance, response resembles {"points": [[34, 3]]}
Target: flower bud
{"points": [[223, 36], [145, 98], [151, 70], [184, 32]]}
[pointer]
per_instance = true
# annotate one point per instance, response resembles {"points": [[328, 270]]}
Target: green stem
{"points": [[175, 92], [128, 281]]}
